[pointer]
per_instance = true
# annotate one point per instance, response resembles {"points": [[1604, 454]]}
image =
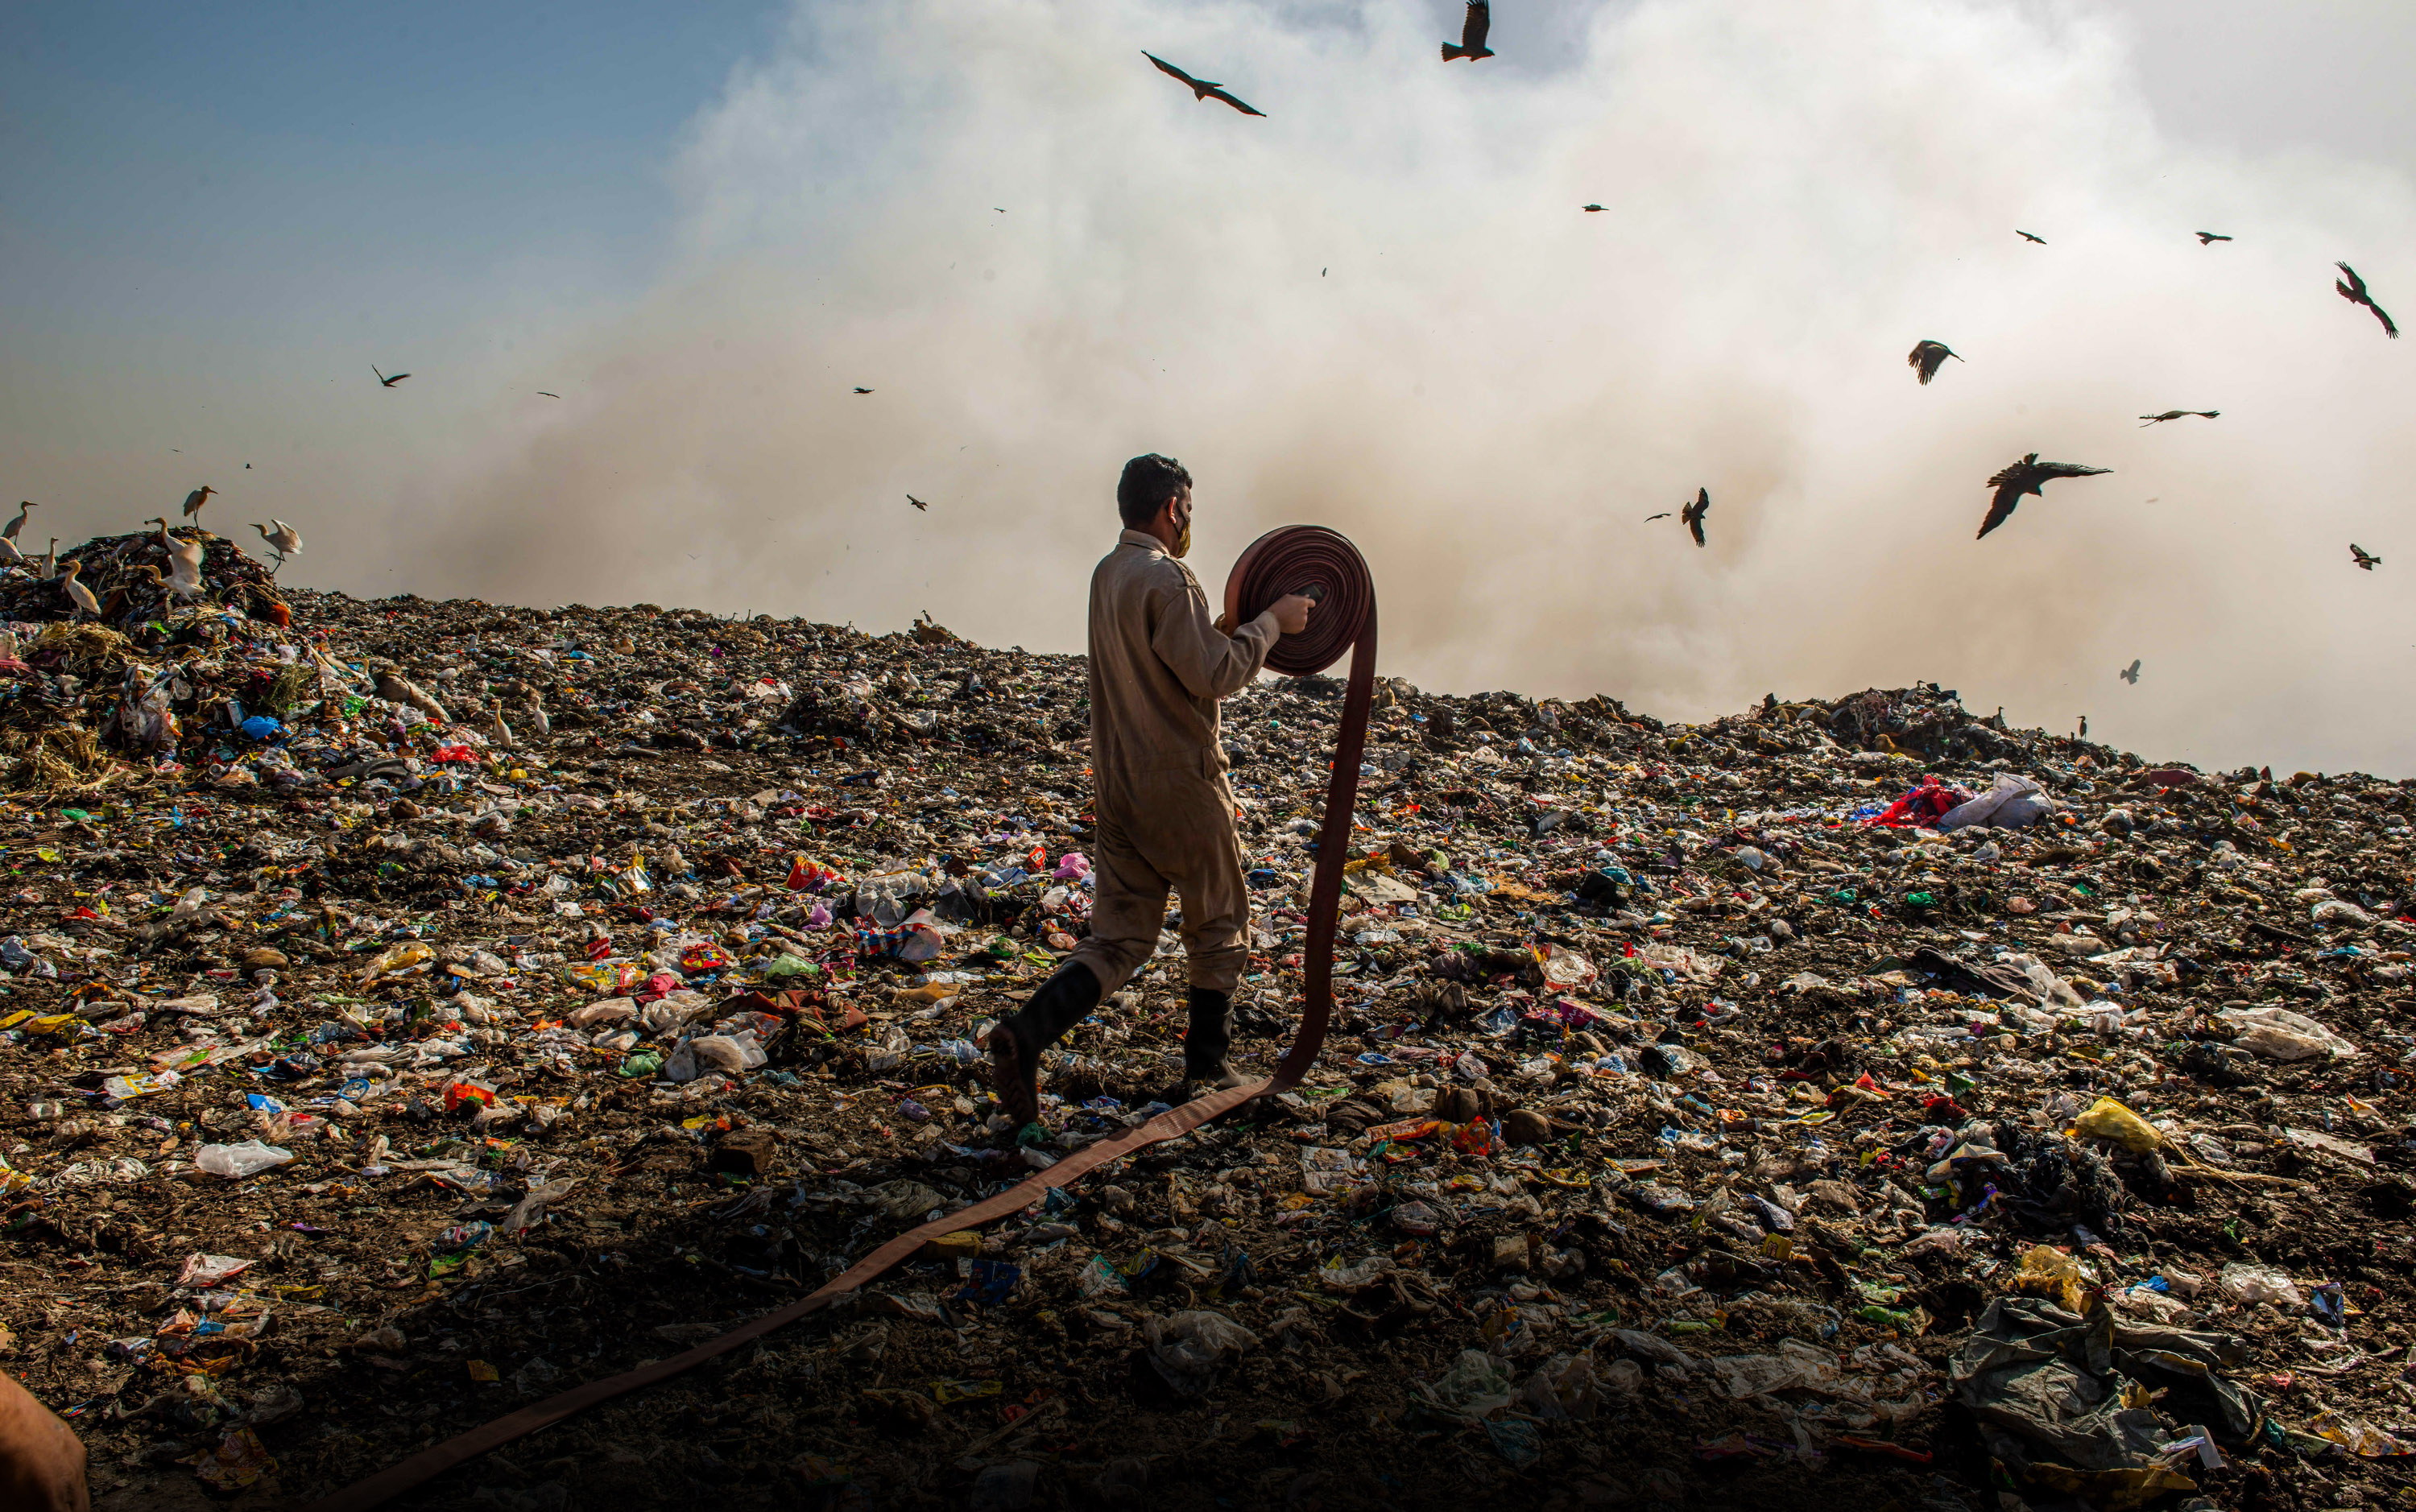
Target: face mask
{"points": [[1182, 542]]}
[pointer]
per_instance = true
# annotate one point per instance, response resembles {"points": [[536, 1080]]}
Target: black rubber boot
{"points": [[1016, 1044], [1207, 1060]]}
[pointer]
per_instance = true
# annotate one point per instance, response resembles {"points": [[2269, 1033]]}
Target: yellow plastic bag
{"points": [[2110, 1120], [2048, 1272]]}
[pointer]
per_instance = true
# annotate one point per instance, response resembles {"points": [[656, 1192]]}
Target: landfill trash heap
{"points": [[413, 1009]]}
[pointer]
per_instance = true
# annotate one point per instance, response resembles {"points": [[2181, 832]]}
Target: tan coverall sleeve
{"points": [[1211, 664]]}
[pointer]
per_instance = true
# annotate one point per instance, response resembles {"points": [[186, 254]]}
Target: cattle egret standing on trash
{"points": [[9, 533], [51, 563], [10, 555], [184, 562], [193, 502], [1472, 28], [285, 540], [2131, 673], [77, 592], [1929, 356], [2025, 476], [2357, 553]]}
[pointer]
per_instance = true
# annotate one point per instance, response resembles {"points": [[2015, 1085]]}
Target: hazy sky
{"points": [[1378, 308]]}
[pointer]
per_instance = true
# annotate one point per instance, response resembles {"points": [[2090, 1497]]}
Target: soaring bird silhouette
{"points": [[2131, 673], [2207, 238], [10, 531], [917, 502], [1692, 515], [1201, 88], [2357, 554], [285, 540], [194, 500], [77, 594], [1649, 518], [1929, 356], [2028, 238], [1471, 33], [2025, 476], [2354, 292], [2176, 414], [547, 394], [864, 391], [1590, 209], [386, 381]]}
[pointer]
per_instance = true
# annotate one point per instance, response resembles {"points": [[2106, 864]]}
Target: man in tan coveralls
{"points": [[1158, 665]]}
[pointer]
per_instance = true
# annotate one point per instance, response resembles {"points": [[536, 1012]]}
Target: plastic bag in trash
{"points": [[1476, 1386], [2244, 1282], [1188, 1348], [2278, 1034], [236, 1161], [2012, 803], [2109, 1119]]}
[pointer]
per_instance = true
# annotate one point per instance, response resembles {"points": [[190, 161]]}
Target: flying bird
{"points": [[2131, 673], [1590, 209], [1201, 88], [285, 540], [2207, 238], [2354, 292], [1471, 33], [545, 393], [2028, 238], [194, 500], [1692, 515], [2025, 476], [10, 531], [916, 503], [386, 382], [2176, 414], [1929, 356], [2357, 554], [864, 391], [1649, 518]]}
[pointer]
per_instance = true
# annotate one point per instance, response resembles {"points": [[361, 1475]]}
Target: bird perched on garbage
{"points": [[285, 540], [1472, 28], [1201, 88], [1929, 356], [2207, 238], [385, 380], [2131, 673], [534, 720], [916, 503], [184, 561], [2025, 476], [10, 555], [2353, 289], [2176, 414], [1692, 515], [77, 594], [9, 531], [51, 561], [2357, 554], [2028, 238], [194, 500]]}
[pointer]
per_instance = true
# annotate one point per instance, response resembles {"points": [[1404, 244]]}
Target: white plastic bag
{"points": [[2013, 802], [1187, 1348], [2278, 1034], [236, 1161]]}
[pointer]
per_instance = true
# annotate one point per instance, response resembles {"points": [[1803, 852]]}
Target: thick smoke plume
{"points": [[1382, 309]]}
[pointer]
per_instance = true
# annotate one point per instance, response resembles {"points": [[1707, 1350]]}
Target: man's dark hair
{"points": [[1149, 484]]}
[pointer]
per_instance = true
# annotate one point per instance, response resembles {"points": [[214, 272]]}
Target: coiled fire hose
{"points": [[1293, 559]]}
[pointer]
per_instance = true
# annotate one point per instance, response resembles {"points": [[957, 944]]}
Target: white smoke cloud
{"points": [[1381, 308]]}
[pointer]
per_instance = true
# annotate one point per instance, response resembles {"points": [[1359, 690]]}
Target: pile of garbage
{"points": [[412, 1010]]}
